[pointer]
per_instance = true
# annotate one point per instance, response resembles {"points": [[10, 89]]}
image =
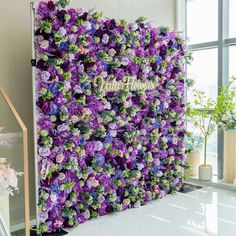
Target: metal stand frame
{"points": [[32, 13]]}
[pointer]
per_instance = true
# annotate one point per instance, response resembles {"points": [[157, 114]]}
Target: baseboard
{"points": [[214, 183], [20, 226]]}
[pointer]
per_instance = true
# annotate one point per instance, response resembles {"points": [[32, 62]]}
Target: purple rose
{"points": [[105, 38], [45, 75], [125, 61], [44, 152]]}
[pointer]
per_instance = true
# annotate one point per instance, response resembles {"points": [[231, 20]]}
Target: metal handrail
{"points": [[25, 157]]}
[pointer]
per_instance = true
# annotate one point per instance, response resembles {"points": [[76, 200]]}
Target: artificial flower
{"points": [[102, 151]]}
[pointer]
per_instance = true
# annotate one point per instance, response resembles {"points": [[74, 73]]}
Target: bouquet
{"points": [[8, 176]]}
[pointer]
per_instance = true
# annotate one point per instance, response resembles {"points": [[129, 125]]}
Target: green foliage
{"points": [[46, 26], [207, 113], [141, 19], [63, 3], [225, 113], [203, 110]]}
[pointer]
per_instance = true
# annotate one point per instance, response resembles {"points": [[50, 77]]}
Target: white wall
{"points": [[162, 12], [15, 77], [15, 49]]}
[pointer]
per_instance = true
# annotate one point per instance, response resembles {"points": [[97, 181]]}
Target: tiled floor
{"points": [[207, 211]]}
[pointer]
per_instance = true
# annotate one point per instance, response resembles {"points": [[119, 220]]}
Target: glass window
{"points": [[211, 147], [202, 27], [232, 19], [232, 61], [202, 20], [203, 70], [212, 152]]}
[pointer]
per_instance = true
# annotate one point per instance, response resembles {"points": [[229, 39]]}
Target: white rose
{"points": [[44, 44]]}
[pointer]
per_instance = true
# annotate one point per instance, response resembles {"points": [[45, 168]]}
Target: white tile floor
{"points": [[207, 211]]}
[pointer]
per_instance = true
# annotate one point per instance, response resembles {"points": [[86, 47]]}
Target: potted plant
{"points": [[226, 119], [206, 115], [193, 144], [201, 118]]}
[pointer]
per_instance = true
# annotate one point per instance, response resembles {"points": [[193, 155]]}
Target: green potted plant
{"points": [[193, 145], [226, 119], [206, 115], [201, 118]]}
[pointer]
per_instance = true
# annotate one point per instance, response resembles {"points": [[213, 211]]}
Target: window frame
{"points": [[222, 44]]}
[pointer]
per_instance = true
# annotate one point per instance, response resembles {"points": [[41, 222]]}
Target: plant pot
{"points": [[205, 172], [5, 211], [193, 160], [229, 156]]}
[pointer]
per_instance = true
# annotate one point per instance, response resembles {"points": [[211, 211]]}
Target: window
{"points": [[232, 18], [200, 19], [232, 61], [204, 73], [211, 32]]}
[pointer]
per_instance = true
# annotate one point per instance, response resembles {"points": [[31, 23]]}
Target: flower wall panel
{"points": [[105, 151]]}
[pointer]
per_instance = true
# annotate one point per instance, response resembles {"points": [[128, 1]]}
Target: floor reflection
{"points": [[206, 211]]}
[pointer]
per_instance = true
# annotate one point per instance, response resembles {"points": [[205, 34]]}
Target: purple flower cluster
{"points": [[99, 153]]}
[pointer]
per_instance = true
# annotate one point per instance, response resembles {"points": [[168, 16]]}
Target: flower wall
{"points": [[100, 152]]}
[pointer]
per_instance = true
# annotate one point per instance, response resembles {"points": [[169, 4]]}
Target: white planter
{"points": [[229, 156], [193, 160], [205, 172], [5, 212]]}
